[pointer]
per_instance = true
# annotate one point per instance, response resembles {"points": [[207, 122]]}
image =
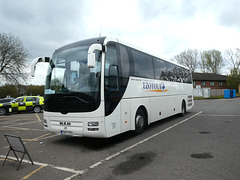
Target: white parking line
{"points": [[44, 165], [221, 115], [81, 172], [130, 147]]}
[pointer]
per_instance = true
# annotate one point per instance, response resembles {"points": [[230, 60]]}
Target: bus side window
{"points": [[113, 78], [111, 69], [125, 62], [143, 64], [179, 75], [174, 73], [169, 73], [160, 68], [126, 67], [188, 76]]}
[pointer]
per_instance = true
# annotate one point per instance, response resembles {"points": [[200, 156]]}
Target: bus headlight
{"points": [[93, 123]]}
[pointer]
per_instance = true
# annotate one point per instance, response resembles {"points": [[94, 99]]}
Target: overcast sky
{"points": [[164, 27]]}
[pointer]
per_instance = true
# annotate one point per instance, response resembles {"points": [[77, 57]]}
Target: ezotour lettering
{"points": [[154, 87]]}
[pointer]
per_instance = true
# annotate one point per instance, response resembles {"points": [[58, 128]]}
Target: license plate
{"points": [[69, 133]]}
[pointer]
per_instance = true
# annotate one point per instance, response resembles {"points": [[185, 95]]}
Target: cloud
{"points": [[230, 15], [165, 28], [42, 25]]}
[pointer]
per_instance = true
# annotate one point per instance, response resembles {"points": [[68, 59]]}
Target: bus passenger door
{"points": [[125, 115]]}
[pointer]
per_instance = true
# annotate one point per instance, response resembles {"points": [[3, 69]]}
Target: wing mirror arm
{"points": [[91, 54], [37, 60]]}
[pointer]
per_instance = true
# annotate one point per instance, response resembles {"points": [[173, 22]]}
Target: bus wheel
{"points": [[140, 121], [2, 111], [37, 109], [183, 109]]}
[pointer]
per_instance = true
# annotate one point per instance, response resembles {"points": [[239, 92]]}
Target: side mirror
{"points": [[91, 60], [37, 60], [91, 54]]}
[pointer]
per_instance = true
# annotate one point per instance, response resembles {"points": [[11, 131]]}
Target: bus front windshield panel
{"points": [[69, 75]]}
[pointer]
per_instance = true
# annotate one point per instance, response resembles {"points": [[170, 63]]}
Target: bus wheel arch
{"points": [[141, 120], [183, 108]]}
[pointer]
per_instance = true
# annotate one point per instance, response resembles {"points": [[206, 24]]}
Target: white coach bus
{"points": [[102, 87]]}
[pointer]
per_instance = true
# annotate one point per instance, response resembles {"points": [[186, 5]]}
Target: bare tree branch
{"points": [[13, 58], [233, 58], [188, 58]]}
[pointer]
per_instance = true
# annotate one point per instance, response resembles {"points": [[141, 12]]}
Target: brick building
{"points": [[209, 80]]}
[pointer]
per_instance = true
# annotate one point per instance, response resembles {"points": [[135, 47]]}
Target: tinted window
{"points": [[187, 76], [170, 71], [111, 55], [179, 74], [125, 62], [36, 99], [29, 99], [143, 65], [111, 79], [111, 68], [160, 69]]}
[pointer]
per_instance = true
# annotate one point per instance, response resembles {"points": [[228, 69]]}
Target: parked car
{"points": [[23, 103], [4, 100]]}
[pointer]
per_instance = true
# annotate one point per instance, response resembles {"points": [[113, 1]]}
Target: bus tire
{"points": [[37, 109], [140, 121], [183, 108], [3, 111]]}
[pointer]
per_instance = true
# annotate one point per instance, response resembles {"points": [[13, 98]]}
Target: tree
{"points": [[188, 58], [211, 61], [8, 90], [233, 79], [13, 57], [233, 58], [33, 90]]}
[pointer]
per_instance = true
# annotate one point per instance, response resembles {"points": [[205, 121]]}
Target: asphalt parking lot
{"points": [[204, 144]]}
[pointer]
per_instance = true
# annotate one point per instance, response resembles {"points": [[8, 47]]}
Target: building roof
{"points": [[208, 77]]}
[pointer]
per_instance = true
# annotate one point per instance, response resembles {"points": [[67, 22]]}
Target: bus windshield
{"points": [[69, 75]]}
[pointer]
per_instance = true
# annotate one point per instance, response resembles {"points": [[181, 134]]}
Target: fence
{"points": [[207, 92]]}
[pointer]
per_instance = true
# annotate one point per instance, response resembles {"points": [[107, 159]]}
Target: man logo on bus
{"points": [[154, 87]]}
